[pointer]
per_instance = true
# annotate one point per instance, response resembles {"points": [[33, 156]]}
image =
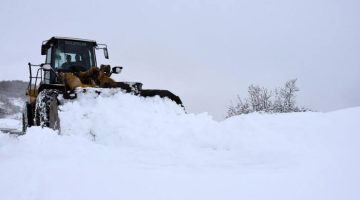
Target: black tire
{"points": [[27, 117], [46, 109], [24, 121]]}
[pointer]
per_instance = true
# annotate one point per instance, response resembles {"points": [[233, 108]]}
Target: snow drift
{"points": [[125, 147]]}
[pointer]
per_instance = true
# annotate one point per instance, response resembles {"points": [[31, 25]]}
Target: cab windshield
{"points": [[73, 55]]}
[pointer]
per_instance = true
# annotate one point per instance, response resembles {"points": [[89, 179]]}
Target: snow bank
{"points": [[126, 147], [162, 128]]}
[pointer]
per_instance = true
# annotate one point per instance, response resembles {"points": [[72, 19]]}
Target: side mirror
{"points": [[103, 47], [106, 54], [116, 70], [46, 66]]}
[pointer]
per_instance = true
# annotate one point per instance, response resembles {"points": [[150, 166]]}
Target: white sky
{"points": [[207, 52]]}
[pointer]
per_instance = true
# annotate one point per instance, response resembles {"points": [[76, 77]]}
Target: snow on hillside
{"points": [[126, 147], [12, 98]]}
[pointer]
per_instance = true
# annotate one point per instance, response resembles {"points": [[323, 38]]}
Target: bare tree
{"points": [[265, 96], [288, 96], [254, 97], [261, 99], [242, 107], [277, 106]]}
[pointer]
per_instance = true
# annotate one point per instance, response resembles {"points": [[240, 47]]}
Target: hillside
{"points": [[12, 97], [126, 147]]}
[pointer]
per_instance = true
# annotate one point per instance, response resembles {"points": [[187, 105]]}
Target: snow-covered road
{"points": [[125, 147]]}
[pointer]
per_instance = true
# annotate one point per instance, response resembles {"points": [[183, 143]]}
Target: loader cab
{"points": [[69, 55]]}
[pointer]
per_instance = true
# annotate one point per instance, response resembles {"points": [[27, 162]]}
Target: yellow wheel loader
{"points": [[67, 61]]}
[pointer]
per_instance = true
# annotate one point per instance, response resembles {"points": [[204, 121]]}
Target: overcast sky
{"points": [[205, 51]]}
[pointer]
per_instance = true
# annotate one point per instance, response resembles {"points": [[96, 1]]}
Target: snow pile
{"points": [[126, 147], [160, 127]]}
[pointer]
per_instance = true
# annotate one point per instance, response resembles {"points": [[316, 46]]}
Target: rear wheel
{"points": [[46, 109], [24, 122], [27, 117]]}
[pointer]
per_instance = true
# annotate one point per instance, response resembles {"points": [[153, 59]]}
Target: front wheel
{"points": [[46, 109]]}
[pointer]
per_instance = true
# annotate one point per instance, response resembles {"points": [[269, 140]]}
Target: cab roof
{"points": [[46, 44]]}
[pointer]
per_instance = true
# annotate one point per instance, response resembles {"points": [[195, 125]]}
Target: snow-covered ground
{"points": [[126, 147], [11, 122]]}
